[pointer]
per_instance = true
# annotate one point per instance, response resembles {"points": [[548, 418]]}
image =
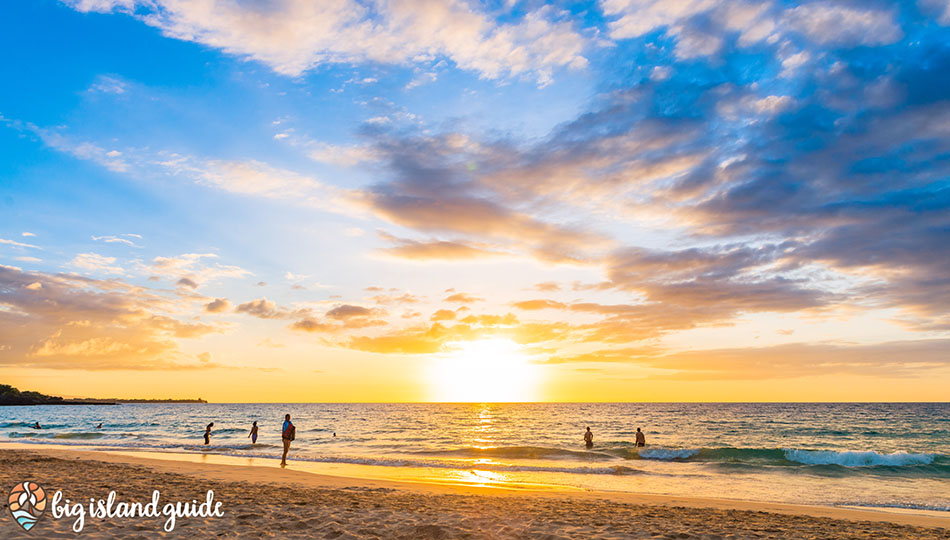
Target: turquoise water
{"points": [[882, 455]]}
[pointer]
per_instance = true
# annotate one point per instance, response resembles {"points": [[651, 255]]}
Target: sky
{"points": [[418, 200]]}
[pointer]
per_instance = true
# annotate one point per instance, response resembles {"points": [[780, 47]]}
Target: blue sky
{"points": [[702, 195]]}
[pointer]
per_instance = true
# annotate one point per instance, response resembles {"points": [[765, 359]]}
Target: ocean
{"points": [[838, 454]]}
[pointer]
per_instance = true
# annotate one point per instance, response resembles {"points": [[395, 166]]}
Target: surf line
{"points": [[108, 509]]}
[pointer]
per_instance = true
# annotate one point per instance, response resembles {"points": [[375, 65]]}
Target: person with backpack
{"points": [[287, 434]]}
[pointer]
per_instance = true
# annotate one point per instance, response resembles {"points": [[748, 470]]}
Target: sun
{"points": [[487, 371]]}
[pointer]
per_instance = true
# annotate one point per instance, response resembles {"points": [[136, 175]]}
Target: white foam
{"points": [[668, 453], [857, 459]]}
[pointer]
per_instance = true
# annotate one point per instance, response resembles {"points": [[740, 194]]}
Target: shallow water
{"points": [[887, 455]]}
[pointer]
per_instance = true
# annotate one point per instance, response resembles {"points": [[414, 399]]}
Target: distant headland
{"points": [[12, 396]]}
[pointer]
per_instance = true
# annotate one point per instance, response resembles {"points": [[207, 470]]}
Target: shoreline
{"points": [[230, 469]]}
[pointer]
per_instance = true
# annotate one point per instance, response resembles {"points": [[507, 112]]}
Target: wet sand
{"points": [[268, 502]]}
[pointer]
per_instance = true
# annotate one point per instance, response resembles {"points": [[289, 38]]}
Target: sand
{"points": [[268, 502]]}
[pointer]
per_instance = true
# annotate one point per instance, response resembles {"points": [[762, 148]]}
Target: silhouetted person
{"points": [[208, 433], [588, 438], [37, 426], [99, 426], [287, 434], [641, 440], [253, 433]]}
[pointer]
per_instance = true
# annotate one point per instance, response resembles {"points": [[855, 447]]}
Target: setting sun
{"points": [[488, 370]]}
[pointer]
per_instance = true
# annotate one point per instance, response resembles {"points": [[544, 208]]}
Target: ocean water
{"points": [[873, 455]]}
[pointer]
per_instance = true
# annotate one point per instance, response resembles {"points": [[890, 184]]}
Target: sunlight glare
{"points": [[487, 371]]}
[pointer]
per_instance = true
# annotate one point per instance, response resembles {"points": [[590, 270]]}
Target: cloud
{"points": [[94, 262], [111, 159], [704, 27], [353, 316], [190, 269], [438, 187], [248, 177], [346, 311], [107, 84], [117, 240], [886, 360], [185, 282], [826, 198], [343, 156], [262, 308], [17, 244], [67, 321], [463, 298], [437, 250], [217, 305], [532, 305], [936, 7], [414, 340], [443, 315], [312, 325], [547, 286], [394, 298], [827, 23], [295, 36], [242, 177]]}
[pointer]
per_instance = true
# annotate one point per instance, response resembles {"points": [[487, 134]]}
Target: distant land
{"points": [[12, 396]]}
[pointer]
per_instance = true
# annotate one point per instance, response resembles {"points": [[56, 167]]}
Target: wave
{"points": [[30, 425], [668, 454], [16, 424], [858, 459]]}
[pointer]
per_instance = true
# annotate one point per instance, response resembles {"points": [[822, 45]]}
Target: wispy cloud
{"points": [[17, 244], [295, 36], [113, 239]]}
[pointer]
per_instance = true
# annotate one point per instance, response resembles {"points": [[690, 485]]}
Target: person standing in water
{"points": [[208, 433], [641, 439], [589, 438], [37, 426], [253, 433], [287, 434]]}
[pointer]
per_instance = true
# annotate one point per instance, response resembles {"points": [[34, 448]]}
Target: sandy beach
{"points": [[268, 502]]}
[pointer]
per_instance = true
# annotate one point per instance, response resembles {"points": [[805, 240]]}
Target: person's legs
{"points": [[283, 459]]}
